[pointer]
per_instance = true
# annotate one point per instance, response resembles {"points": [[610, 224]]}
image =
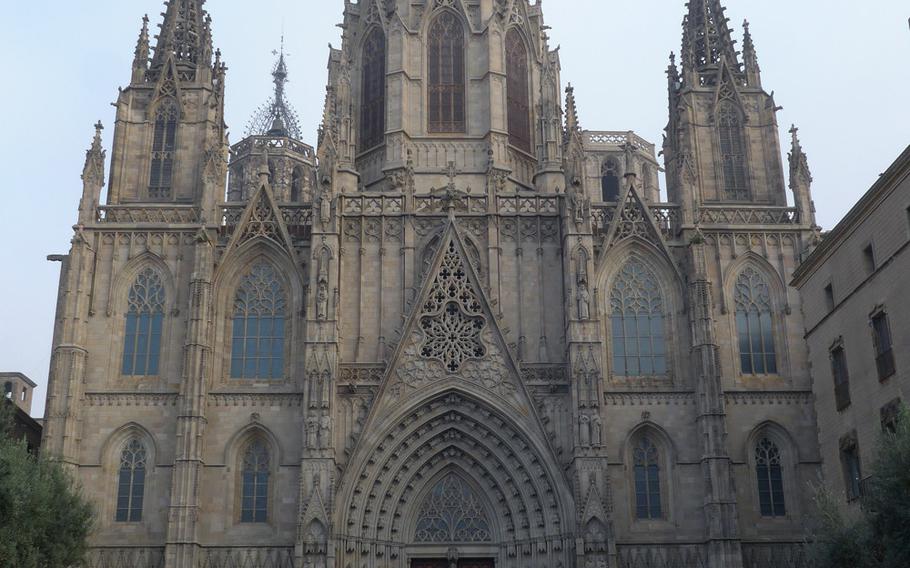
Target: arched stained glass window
{"points": [[144, 321], [254, 498], [372, 109], [638, 322], [519, 101], [446, 89], [754, 324], [452, 513], [296, 184], [260, 308], [164, 148], [770, 479], [131, 482], [733, 151], [609, 182], [647, 480]]}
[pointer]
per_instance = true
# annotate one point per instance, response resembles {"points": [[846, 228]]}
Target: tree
{"points": [[878, 535], [44, 519]]}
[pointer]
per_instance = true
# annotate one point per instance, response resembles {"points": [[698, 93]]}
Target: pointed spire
{"points": [[801, 179], [707, 42], [141, 55], [92, 178], [572, 124], [276, 117], [750, 58], [185, 34]]}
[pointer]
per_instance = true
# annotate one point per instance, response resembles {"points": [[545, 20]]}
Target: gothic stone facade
{"points": [[462, 331]]}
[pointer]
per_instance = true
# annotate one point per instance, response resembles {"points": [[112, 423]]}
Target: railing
{"points": [[272, 143], [297, 218], [135, 557], [225, 557], [149, 214], [747, 215], [775, 555], [668, 218], [615, 139]]}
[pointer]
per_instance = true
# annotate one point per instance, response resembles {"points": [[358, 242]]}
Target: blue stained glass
{"points": [[257, 348], [143, 325], [754, 324], [638, 323]]}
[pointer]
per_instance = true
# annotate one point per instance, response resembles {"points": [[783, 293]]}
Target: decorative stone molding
{"points": [[255, 399], [768, 397], [649, 398], [131, 399]]}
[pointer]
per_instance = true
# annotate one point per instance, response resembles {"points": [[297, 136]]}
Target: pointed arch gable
{"points": [[109, 451], [452, 494], [236, 444], [670, 279], [780, 435]]}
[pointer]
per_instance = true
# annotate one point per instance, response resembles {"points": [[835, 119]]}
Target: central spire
{"points": [[707, 41], [276, 117], [185, 34]]}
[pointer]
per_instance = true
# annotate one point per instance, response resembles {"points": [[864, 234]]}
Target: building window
{"points": [[638, 323], [164, 147], [890, 415], [853, 476], [884, 352], [646, 179], [519, 103], [869, 259], [829, 298], [144, 321], [447, 74], [733, 151], [754, 324], [260, 308], [768, 468], [372, 110], [8, 390], [647, 480], [254, 499], [131, 482], [841, 377], [609, 182]]}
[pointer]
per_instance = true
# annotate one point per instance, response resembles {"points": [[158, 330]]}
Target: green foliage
{"points": [[877, 536], [44, 519]]}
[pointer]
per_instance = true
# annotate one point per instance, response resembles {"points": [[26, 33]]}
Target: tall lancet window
{"points": [[131, 482], [254, 497], [638, 323], [609, 182], [754, 324], [733, 151], [260, 308], [164, 147], [144, 320], [647, 480], [446, 89], [519, 105], [372, 109], [770, 479]]}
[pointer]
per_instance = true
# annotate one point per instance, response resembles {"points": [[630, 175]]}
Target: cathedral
{"points": [[462, 331]]}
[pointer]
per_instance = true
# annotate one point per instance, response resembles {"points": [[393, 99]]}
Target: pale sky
{"points": [[840, 69]]}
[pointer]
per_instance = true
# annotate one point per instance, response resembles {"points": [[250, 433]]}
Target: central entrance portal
{"points": [[464, 563]]}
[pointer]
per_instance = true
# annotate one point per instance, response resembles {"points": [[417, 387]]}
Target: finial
{"points": [[276, 117]]}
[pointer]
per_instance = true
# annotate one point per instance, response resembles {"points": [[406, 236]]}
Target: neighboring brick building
{"points": [[856, 304], [18, 389]]}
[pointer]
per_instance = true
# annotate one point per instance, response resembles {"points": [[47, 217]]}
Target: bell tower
{"points": [[169, 136], [722, 143]]}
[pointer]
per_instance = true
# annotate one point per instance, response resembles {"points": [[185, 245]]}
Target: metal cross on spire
{"points": [[276, 117]]}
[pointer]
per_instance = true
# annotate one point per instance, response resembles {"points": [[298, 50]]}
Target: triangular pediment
{"points": [[452, 340], [633, 219], [262, 219]]}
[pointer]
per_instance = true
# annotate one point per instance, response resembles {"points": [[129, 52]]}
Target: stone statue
{"points": [[325, 207], [325, 431], [584, 431], [596, 431], [584, 301], [322, 300], [312, 432]]}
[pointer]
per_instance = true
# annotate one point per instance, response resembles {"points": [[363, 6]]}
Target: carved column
{"points": [[721, 521], [182, 539]]}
